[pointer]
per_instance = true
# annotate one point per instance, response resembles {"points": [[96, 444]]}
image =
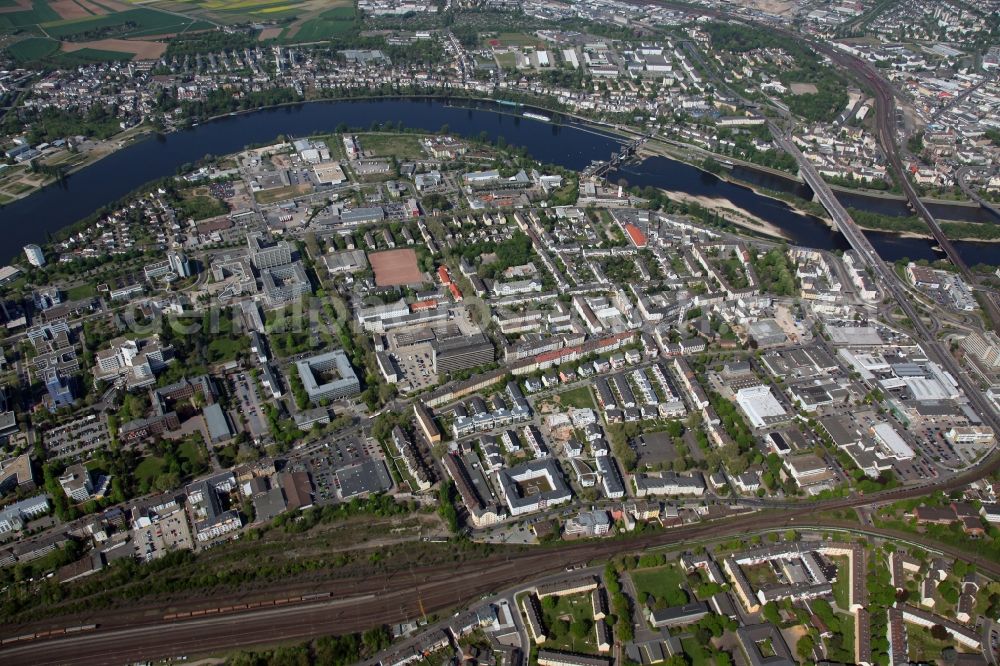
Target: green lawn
{"points": [[660, 582], [191, 452], [400, 146], [19, 188], [695, 652], [846, 652], [329, 24], [80, 292], [841, 594], [581, 398], [922, 644], [506, 60], [221, 350], [149, 468], [559, 622], [760, 575]]}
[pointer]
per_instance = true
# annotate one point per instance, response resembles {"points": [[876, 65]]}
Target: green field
{"points": [[221, 350], [402, 146], [660, 582], [329, 24], [506, 60], [132, 23], [841, 593], [921, 643], [39, 13], [581, 398], [81, 291], [32, 49], [152, 466], [149, 468]]}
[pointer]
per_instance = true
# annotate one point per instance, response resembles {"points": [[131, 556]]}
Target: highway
{"points": [[885, 108], [885, 277]]}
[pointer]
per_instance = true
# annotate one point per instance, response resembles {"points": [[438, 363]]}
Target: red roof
{"points": [[443, 274], [635, 233], [455, 291], [556, 353], [423, 305]]}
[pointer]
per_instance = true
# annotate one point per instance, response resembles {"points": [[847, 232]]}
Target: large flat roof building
{"points": [[266, 252], [284, 284], [328, 376], [461, 353], [760, 406], [533, 486]]}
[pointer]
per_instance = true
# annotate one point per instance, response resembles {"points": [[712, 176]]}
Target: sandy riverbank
{"points": [[731, 213]]}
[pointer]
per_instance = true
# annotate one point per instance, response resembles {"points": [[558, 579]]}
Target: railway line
{"points": [[401, 597]]}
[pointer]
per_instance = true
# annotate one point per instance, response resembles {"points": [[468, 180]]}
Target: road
{"points": [[885, 120], [961, 176], [886, 277]]}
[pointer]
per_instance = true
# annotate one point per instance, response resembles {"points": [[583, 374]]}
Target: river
{"points": [[30, 220]]}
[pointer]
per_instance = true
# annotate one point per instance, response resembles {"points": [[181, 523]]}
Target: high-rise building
{"points": [[60, 389], [179, 264], [35, 255]]}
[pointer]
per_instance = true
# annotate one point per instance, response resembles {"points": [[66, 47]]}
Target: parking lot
{"points": [[325, 461], [250, 404], [416, 366], [77, 437]]}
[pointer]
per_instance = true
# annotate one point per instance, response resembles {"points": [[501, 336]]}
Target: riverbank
{"points": [[732, 214], [105, 149], [129, 137], [863, 220], [564, 144]]}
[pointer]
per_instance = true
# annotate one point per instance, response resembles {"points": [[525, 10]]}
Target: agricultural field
{"points": [[33, 49], [141, 22], [143, 50], [326, 16], [330, 23], [29, 15], [67, 33]]}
